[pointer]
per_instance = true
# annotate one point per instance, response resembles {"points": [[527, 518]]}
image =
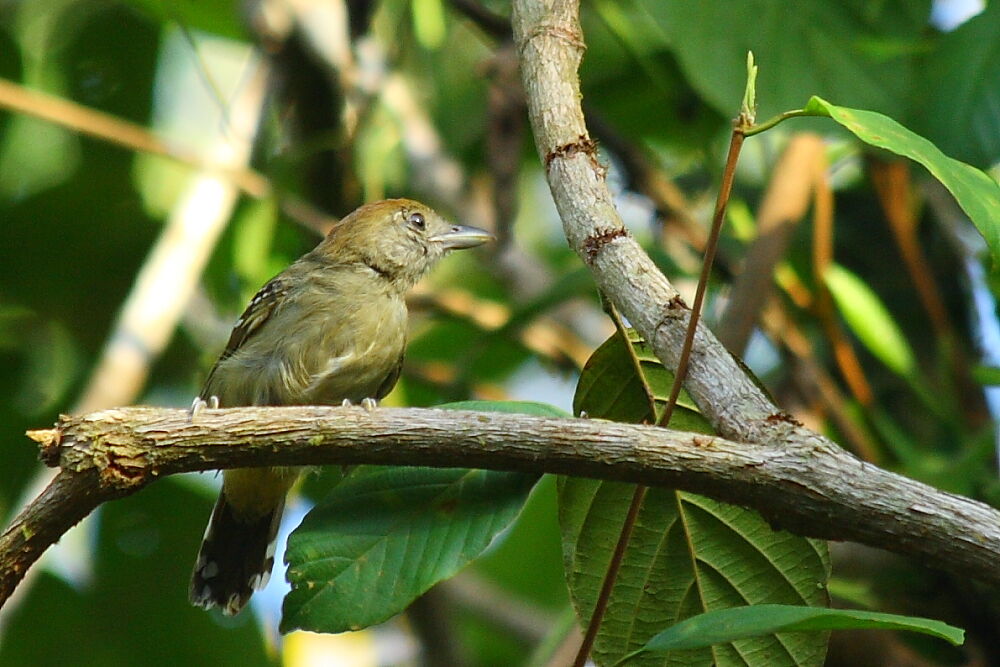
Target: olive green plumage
{"points": [[330, 327]]}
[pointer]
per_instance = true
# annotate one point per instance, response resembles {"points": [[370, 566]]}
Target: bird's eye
{"points": [[417, 220]]}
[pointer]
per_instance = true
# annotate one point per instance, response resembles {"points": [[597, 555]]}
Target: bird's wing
{"points": [[390, 380], [260, 309]]}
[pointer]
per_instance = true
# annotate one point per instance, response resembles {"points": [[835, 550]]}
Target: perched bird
{"points": [[329, 328]]}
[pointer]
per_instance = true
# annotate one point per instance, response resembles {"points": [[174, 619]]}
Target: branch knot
{"points": [[560, 32], [594, 243]]}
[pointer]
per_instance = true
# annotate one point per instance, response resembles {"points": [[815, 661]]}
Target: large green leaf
{"points": [[728, 625], [688, 554], [973, 189], [385, 535], [841, 50]]}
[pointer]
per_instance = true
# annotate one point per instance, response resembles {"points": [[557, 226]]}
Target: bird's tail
{"points": [[236, 556]]}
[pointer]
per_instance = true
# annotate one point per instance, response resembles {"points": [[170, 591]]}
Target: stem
{"points": [[718, 218], [781, 117]]}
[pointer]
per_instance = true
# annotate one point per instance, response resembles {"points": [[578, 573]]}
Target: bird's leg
{"points": [[346, 403]]}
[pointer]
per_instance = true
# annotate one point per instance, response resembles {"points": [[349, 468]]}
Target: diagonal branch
{"points": [[550, 43], [811, 488]]}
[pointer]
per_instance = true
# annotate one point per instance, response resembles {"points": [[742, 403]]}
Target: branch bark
{"points": [[809, 487], [548, 37]]}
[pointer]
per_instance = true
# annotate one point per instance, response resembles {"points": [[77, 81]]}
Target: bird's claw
{"points": [[199, 404], [368, 404]]}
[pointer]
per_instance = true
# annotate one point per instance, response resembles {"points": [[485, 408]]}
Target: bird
{"points": [[328, 330]]}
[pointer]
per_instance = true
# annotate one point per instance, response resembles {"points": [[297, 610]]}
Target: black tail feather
{"points": [[235, 559]]}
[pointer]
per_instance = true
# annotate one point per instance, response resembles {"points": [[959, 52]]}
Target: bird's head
{"points": [[398, 239]]}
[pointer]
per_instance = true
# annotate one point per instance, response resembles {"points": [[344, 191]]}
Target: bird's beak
{"points": [[461, 236]]}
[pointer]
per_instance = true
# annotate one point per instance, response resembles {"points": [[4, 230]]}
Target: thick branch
{"points": [[67, 499], [547, 34], [803, 485]]}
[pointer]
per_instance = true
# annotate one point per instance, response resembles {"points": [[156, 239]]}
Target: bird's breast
{"points": [[357, 352]]}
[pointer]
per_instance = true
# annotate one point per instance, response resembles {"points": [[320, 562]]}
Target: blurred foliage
{"points": [[79, 216]]}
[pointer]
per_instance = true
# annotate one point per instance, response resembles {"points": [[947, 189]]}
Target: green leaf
{"points": [[821, 47], [962, 112], [870, 321], [428, 23], [973, 189], [728, 625], [51, 364], [688, 554], [384, 536], [610, 387], [252, 242]]}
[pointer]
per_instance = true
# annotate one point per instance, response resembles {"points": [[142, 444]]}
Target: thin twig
{"points": [[132, 136], [112, 129], [607, 585]]}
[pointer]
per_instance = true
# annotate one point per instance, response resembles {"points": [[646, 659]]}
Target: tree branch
{"points": [[805, 486], [550, 43]]}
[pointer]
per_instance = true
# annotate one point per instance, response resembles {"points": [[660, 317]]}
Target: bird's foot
{"points": [[200, 404], [368, 404]]}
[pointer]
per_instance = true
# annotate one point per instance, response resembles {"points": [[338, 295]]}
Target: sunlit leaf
{"points": [[428, 23], [870, 321], [973, 189], [252, 242]]}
